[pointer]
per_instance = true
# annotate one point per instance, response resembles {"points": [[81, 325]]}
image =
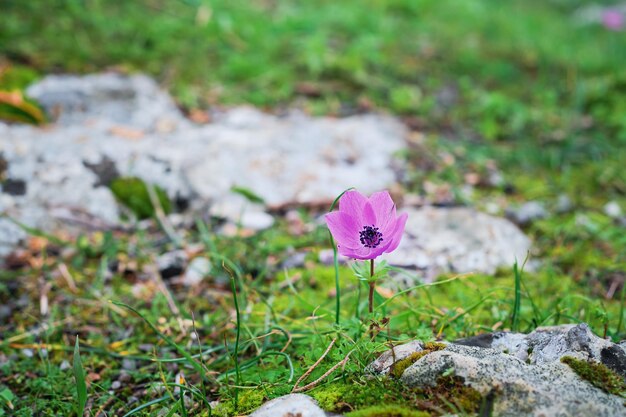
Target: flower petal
{"points": [[361, 253], [352, 202], [398, 231], [344, 228], [369, 216], [383, 206]]}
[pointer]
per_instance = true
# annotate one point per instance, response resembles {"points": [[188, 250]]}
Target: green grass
{"points": [[516, 88]]}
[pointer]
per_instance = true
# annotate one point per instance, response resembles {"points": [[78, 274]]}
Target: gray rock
{"points": [[382, 365], [129, 364], [133, 100], [613, 209], [295, 159], [522, 372], [564, 204], [527, 213], [550, 344], [10, 236], [110, 125], [460, 240], [198, 268], [171, 264], [291, 405], [550, 389]]}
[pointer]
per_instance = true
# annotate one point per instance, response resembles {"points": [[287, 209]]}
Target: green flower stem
{"points": [[372, 286]]}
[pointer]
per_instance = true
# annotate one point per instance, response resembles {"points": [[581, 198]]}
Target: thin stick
{"points": [[321, 378], [161, 218], [312, 368]]}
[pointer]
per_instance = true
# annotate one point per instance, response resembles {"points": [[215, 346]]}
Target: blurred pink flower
{"points": [[366, 228], [613, 19]]}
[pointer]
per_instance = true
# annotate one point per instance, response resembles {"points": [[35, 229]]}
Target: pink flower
{"points": [[613, 19], [366, 228]]}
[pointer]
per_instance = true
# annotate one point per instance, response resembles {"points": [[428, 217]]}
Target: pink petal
{"points": [[369, 216], [352, 202], [344, 228], [361, 253], [398, 231]]}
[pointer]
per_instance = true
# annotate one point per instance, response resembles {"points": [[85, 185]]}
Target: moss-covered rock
{"points": [[599, 375], [400, 366]]}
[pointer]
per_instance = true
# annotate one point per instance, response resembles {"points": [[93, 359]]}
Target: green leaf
{"points": [[81, 385], [248, 194], [6, 397]]}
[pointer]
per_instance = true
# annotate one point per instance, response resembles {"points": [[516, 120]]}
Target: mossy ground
{"points": [[519, 89]]}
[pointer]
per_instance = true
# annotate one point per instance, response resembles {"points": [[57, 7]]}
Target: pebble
{"points": [[613, 210], [198, 268], [527, 213]]}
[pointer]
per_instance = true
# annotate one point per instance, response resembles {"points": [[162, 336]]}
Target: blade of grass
{"points": [[81, 385], [336, 262], [146, 405], [163, 336], [621, 312], [233, 287], [517, 300]]}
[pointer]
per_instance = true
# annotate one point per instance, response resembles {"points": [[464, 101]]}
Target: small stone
{"points": [[28, 353], [124, 377], [172, 263], [299, 405], [5, 312], [115, 385], [564, 204], [256, 220], [613, 210], [198, 268], [14, 187], [327, 257], [295, 260], [129, 364], [527, 213]]}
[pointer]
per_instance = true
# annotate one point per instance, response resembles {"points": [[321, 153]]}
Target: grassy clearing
{"points": [[515, 88]]}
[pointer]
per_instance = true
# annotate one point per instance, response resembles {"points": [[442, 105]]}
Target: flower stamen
{"points": [[370, 236]]}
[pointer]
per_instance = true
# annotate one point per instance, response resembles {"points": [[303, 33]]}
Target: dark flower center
{"points": [[370, 236]]}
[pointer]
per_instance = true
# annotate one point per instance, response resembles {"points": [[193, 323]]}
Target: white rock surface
{"points": [[458, 240], [110, 125], [291, 405]]}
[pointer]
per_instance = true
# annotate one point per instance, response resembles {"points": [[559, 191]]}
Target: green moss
{"points": [[452, 389], [133, 193], [400, 366], [248, 401], [597, 374], [387, 411], [341, 397]]}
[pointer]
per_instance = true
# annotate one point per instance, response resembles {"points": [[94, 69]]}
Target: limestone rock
{"points": [[291, 405], [520, 383], [550, 344], [133, 100], [460, 240], [109, 125]]}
